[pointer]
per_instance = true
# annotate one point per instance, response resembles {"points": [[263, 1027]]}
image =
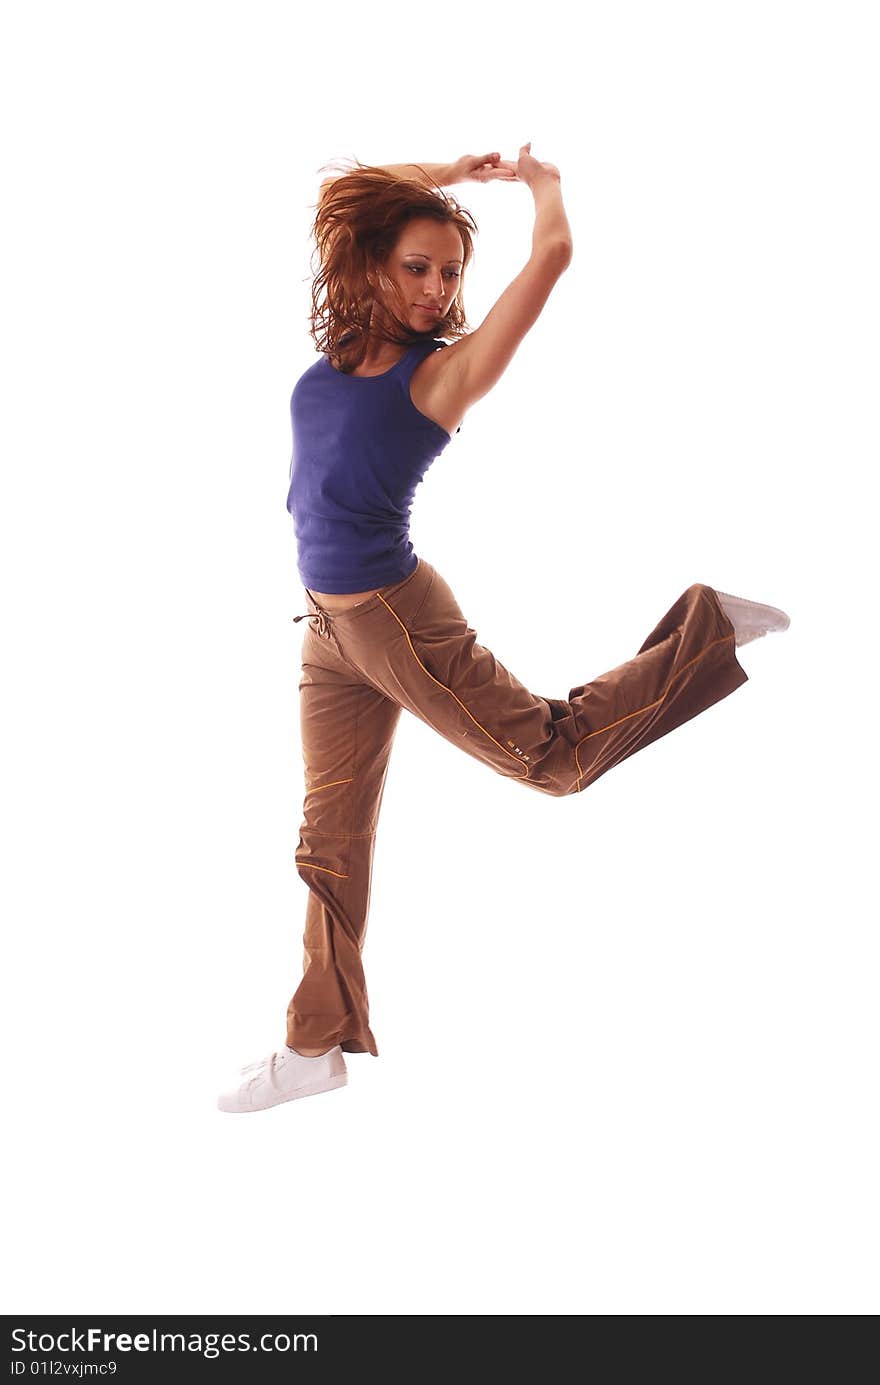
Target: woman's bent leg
{"points": [[415, 644]]}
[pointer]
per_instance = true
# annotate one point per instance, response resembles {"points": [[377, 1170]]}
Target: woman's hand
{"points": [[482, 168], [528, 169]]}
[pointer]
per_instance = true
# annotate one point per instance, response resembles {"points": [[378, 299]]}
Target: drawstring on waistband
{"points": [[323, 619]]}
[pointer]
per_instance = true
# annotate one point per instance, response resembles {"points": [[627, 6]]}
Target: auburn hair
{"points": [[360, 216]]}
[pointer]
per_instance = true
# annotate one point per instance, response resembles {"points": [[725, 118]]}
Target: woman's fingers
{"points": [[483, 168], [504, 168], [479, 160]]}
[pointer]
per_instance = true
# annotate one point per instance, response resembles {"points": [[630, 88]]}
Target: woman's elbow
{"points": [[558, 253]]}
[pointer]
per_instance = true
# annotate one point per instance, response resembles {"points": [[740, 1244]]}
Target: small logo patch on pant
{"points": [[517, 751]]}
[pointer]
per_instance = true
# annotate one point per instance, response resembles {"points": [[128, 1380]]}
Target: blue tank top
{"points": [[360, 449]]}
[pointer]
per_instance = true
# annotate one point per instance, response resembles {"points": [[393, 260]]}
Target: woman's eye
{"points": [[453, 273]]}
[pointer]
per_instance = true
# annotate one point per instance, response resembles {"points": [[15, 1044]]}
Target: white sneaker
{"points": [[751, 619], [284, 1076]]}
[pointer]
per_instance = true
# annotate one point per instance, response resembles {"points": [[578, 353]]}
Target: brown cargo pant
{"points": [[410, 646]]}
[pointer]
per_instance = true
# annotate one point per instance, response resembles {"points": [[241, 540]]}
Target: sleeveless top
{"points": [[360, 449]]}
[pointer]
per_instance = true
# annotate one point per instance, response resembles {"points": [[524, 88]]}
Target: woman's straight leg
{"points": [[347, 729]]}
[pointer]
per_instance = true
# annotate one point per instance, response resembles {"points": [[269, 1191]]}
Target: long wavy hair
{"points": [[359, 219]]}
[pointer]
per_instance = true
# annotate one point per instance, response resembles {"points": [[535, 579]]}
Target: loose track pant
{"points": [[410, 646]]}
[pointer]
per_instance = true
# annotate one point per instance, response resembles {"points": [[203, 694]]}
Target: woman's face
{"points": [[425, 266]]}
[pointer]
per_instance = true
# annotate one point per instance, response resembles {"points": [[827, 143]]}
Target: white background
{"points": [[628, 1039]]}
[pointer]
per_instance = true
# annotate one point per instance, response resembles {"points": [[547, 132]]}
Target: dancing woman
{"points": [[398, 371]]}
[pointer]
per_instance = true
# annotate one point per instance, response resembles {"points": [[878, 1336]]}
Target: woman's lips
{"points": [[435, 312]]}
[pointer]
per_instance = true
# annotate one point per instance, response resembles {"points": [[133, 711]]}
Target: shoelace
{"points": [[254, 1071]]}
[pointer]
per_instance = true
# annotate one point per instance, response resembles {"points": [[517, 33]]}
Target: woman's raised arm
{"points": [[475, 363], [469, 168]]}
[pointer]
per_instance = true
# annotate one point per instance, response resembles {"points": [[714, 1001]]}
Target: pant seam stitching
{"points": [[312, 866], [425, 596], [354, 835]]}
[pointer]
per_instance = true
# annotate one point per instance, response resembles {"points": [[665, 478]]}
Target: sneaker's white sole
{"points": [[326, 1085], [753, 618], [758, 607]]}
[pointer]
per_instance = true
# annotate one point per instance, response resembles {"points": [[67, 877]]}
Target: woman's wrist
{"points": [[551, 222], [541, 181]]}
